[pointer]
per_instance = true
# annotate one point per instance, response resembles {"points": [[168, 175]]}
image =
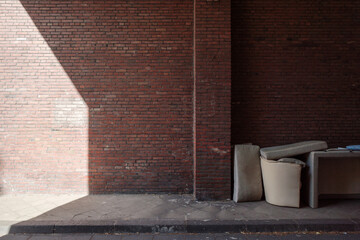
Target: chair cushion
{"points": [[290, 150], [247, 173], [292, 160]]}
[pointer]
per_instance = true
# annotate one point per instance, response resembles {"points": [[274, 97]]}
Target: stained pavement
{"points": [[167, 214]]}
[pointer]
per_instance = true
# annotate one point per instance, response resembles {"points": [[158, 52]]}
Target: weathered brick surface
{"points": [[98, 93], [212, 100], [113, 96], [43, 119], [295, 72]]}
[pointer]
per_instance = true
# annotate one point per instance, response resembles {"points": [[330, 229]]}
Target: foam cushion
{"points": [[247, 173], [294, 149]]}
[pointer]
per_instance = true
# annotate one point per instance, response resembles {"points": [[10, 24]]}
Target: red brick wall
{"points": [[101, 97], [213, 99], [102, 90], [295, 72], [43, 118]]}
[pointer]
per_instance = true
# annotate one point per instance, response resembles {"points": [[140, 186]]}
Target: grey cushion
{"points": [[292, 160], [290, 150], [247, 173]]}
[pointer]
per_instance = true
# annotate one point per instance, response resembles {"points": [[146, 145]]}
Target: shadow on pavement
{"points": [[180, 213]]}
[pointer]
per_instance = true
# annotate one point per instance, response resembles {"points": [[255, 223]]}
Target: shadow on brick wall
{"points": [[131, 63], [295, 72]]}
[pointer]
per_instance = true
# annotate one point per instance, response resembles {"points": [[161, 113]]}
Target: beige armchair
{"points": [[281, 182]]}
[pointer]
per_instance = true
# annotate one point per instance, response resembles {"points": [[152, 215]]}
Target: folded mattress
{"points": [[247, 173]]}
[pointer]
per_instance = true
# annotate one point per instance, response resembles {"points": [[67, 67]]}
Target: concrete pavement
{"points": [[19, 208], [149, 213]]}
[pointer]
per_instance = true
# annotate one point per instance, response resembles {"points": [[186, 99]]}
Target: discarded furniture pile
{"points": [[278, 172]]}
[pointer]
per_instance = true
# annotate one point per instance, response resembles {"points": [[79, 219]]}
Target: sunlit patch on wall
{"points": [[45, 145]]}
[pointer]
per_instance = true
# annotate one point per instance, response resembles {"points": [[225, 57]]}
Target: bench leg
{"points": [[312, 181]]}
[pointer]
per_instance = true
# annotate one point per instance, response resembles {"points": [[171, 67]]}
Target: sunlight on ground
{"points": [[18, 208]]}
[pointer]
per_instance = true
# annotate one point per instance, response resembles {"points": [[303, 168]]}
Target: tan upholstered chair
{"points": [[281, 182]]}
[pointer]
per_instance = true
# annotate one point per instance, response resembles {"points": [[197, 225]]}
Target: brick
{"points": [[96, 96], [295, 72], [212, 100]]}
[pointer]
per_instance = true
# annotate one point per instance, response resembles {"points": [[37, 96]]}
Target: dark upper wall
{"points": [[295, 71]]}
